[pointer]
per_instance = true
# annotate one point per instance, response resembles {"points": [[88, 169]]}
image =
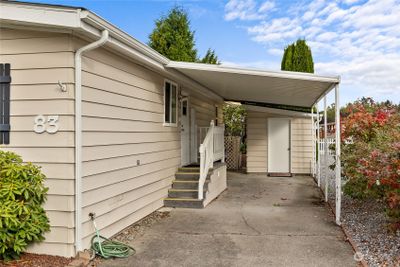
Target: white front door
{"points": [[278, 145], [185, 132]]}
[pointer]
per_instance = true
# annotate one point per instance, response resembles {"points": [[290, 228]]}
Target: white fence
{"points": [[321, 147]]}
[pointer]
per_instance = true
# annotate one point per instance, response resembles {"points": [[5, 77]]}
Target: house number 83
{"points": [[46, 124]]}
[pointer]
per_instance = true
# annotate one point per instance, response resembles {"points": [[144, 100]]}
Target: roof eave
{"points": [[258, 72]]}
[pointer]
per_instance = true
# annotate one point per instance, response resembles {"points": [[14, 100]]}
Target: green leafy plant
{"points": [[22, 195], [234, 118]]}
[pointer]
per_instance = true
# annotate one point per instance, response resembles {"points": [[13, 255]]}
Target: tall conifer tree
{"points": [[173, 38], [298, 57]]}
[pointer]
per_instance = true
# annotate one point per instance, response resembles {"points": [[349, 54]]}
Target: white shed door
{"points": [[278, 145]]}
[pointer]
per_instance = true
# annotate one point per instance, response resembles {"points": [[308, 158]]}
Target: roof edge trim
{"points": [[255, 72]]}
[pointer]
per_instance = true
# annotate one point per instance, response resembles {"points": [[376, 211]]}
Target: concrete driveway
{"points": [[258, 221]]}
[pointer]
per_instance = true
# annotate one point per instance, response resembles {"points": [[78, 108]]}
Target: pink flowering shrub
{"points": [[371, 161]]}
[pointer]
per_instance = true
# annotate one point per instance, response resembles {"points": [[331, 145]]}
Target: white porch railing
{"points": [[212, 149]]}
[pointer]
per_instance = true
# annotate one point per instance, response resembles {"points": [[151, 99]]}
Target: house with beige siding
{"points": [[116, 126]]}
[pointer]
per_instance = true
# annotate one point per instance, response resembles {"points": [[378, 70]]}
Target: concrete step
{"points": [[189, 169], [187, 184], [187, 176], [183, 203], [184, 193]]}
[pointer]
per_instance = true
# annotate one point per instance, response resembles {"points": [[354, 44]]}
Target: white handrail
{"points": [[211, 150]]}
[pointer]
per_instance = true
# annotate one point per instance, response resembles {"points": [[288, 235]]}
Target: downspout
{"points": [[78, 135]]}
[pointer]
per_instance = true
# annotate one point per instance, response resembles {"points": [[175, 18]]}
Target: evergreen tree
{"points": [[173, 38], [298, 57], [210, 57], [287, 60]]}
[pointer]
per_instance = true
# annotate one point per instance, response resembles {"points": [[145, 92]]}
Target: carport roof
{"points": [[253, 85]]}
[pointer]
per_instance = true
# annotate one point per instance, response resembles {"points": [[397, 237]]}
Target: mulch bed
{"points": [[37, 260], [366, 224]]}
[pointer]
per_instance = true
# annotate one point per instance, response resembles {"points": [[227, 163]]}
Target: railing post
{"points": [[202, 165], [212, 143]]}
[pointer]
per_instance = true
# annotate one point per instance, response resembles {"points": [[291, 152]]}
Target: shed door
{"points": [[278, 145]]}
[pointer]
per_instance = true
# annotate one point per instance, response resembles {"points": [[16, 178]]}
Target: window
{"points": [[170, 103], [5, 80]]}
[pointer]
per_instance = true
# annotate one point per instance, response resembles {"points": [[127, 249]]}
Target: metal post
{"points": [[318, 154], [326, 150], [338, 168], [313, 142]]}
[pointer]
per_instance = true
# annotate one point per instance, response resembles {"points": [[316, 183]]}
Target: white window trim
{"points": [[169, 124]]}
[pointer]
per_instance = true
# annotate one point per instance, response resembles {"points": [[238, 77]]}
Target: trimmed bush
{"points": [[22, 195]]}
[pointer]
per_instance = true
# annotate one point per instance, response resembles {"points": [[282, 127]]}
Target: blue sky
{"points": [[357, 39]]}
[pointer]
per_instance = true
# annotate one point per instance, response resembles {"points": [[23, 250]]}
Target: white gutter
{"points": [[78, 135], [251, 71]]}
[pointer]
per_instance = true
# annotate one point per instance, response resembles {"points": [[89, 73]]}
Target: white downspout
{"points": [[78, 136]]}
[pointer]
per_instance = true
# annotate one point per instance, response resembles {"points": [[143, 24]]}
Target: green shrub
{"points": [[22, 194]]}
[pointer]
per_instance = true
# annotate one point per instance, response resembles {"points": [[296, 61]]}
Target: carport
{"points": [[297, 91]]}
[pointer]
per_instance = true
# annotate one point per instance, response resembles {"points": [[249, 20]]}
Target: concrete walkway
{"points": [[258, 221]]}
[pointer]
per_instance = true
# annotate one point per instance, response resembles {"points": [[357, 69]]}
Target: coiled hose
{"points": [[107, 248]]}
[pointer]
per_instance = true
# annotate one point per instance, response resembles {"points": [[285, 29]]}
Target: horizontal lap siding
{"points": [[301, 145], [205, 110], [129, 157], [38, 61], [257, 143]]}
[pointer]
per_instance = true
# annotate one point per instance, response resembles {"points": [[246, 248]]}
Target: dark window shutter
{"points": [[5, 81]]}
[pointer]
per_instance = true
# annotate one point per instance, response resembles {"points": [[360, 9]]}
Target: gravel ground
{"points": [[135, 230], [138, 228], [366, 223], [37, 260]]}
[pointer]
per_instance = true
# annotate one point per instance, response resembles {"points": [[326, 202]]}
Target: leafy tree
{"points": [[298, 57], [210, 57], [173, 38], [234, 118]]}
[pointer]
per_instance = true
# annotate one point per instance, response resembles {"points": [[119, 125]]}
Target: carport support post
{"points": [[318, 154], [313, 167], [326, 149], [338, 167], [312, 140]]}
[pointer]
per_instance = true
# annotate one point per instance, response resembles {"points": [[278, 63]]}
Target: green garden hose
{"points": [[107, 248]]}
